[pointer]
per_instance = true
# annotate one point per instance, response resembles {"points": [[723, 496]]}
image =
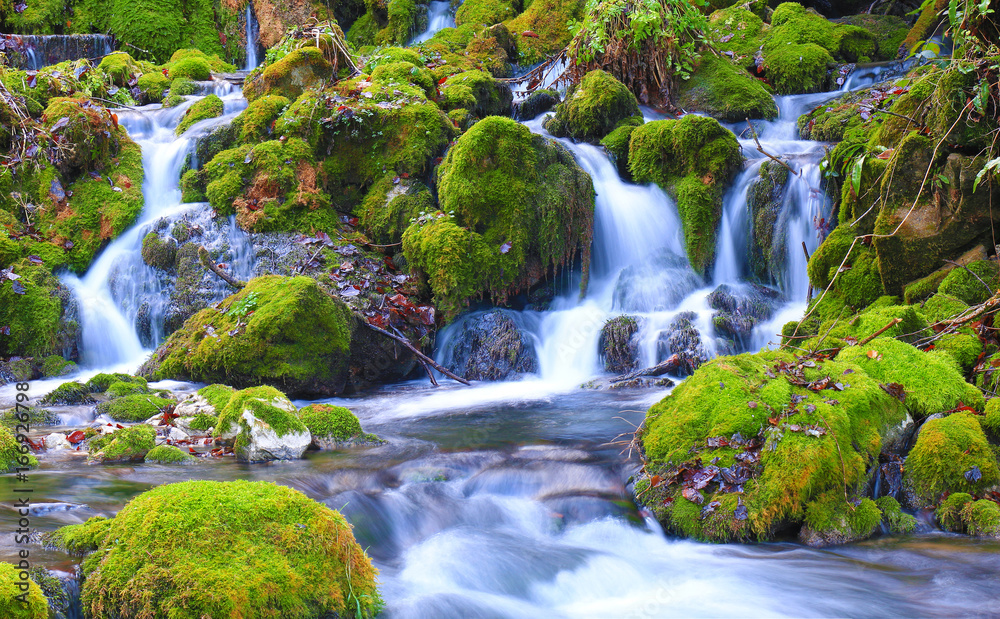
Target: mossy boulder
{"points": [[491, 346], [255, 123], [768, 242], [281, 331], [485, 12], [289, 76], [68, 393], [265, 425], [35, 317], [333, 427], [217, 395], [54, 365], [134, 408], [897, 521], [129, 444], [961, 513], [20, 598], [548, 19], [514, 205], [477, 92], [725, 91], [14, 454], [99, 383], [191, 68], [763, 424], [391, 205], [692, 159], [159, 252], [858, 280], [951, 455], [209, 107], [153, 86], [122, 389], [168, 454], [229, 543], [973, 284], [593, 108], [618, 345]]}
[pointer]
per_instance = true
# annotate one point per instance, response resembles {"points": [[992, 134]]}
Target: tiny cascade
{"points": [[439, 17], [252, 35], [32, 52]]}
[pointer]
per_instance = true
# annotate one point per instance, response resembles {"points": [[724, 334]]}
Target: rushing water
{"points": [[439, 17], [46, 50], [252, 34], [512, 499]]}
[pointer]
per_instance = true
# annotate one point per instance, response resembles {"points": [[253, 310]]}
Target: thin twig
{"points": [[405, 342], [214, 268], [972, 273], [892, 323], [760, 148]]}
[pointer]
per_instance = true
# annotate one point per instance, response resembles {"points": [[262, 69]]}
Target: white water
{"points": [[439, 17], [252, 33], [119, 283]]}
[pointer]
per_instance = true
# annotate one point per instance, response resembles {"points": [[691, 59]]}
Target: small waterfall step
{"points": [[236, 79], [33, 52]]}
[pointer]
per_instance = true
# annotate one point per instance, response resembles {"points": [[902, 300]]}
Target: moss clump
{"points": [[122, 389], [402, 74], [391, 205], [126, 445], [134, 408], [550, 20], [515, 205], [888, 30], [34, 317], [924, 288], [832, 520], [931, 381], [478, 92], [209, 107], [12, 455], [277, 330], [972, 288], [159, 252], [961, 513], [616, 146], [618, 345], [80, 539], [290, 76], [819, 443], [34, 417], [946, 457], [725, 91], [255, 123], [154, 86], [101, 382], [230, 543], [963, 347], [68, 393], [217, 395], [485, 12], [203, 422], [119, 67], [266, 403], [195, 69], [692, 159], [168, 454], [593, 108], [334, 423], [54, 365], [20, 599], [899, 523]]}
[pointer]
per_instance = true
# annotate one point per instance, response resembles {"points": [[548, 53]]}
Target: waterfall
{"points": [[439, 17], [252, 34], [42, 51], [120, 297]]}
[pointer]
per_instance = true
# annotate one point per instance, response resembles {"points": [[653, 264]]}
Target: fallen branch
{"points": [[972, 273], [760, 148], [661, 368], [420, 356], [214, 268], [892, 323]]}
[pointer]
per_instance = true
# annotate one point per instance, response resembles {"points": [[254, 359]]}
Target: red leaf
{"points": [[529, 34], [76, 437], [692, 495]]}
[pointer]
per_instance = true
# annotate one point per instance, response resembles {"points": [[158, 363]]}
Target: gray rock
{"points": [[491, 346]]}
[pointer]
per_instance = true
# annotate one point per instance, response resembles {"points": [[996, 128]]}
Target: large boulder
{"points": [[289, 76], [492, 346], [725, 91], [513, 207], [593, 108], [951, 455], [208, 548], [280, 331], [334, 427], [692, 159]]}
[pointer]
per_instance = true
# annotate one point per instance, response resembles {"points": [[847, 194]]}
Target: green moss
{"points": [[397, 74], [217, 395], [159, 252], [182, 86], [550, 20], [216, 64], [168, 454], [255, 122], [122, 389], [290, 76], [196, 69], [949, 513], [126, 445], [725, 91], [390, 206], [100, 382], [34, 417], [80, 539], [692, 159], [478, 92], [19, 598], [741, 394], [68, 393], [931, 383], [209, 107], [54, 365], [991, 420], [485, 12], [593, 108], [363, 31], [34, 317], [119, 67], [520, 205], [888, 31], [963, 347], [982, 518], [134, 408], [265, 403], [941, 307], [332, 422], [945, 451], [972, 288], [297, 337], [12, 455], [233, 567], [899, 523], [616, 145], [835, 520], [203, 422], [923, 288], [153, 85]]}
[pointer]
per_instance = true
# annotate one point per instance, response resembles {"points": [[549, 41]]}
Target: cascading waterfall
{"points": [[252, 35], [122, 301], [37, 51], [439, 17]]}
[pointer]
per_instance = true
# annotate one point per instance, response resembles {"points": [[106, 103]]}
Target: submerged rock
{"points": [[618, 345], [335, 427], [683, 339], [767, 238], [741, 308], [492, 347]]}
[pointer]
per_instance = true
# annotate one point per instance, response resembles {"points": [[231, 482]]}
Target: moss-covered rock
{"points": [[391, 205], [485, 12], [593, 108], [725, 91], [20, 598], [618, 345], [491, 346], [209, 107], [191, 68], [54, 365], [951, 455], [514, 206], [898, 522], [289, 76], [14, 454], [68, 393], [692, 159], [260, 401], [550, 21], [768, 242], [153, 86], [334, 426], [34, 317], [217, 395], [121, 389], [99, 383], [961, 513], [229, 543], [125, 445], [281, 331], [973, 287], [159, 252], [168, 454], [33, 416], [255, 123], [477, 92], [858, 280], [134, 408], [766, 447]]}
